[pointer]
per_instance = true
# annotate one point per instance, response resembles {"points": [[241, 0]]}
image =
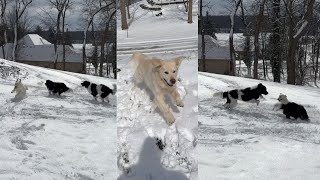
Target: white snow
{"points": [[34, 39], [139, 121], [48, 137], [256, 142]]}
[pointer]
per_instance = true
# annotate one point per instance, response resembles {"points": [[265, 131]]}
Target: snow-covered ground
{"points": [[139, 121], [255, 142], [49, 137]]}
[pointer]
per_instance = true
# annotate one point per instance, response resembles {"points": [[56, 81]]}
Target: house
{"points": [[35, 50], [217, 57]]}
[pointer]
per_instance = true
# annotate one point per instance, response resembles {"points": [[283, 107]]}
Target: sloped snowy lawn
{"points": [[49, 137], [255, 142]]}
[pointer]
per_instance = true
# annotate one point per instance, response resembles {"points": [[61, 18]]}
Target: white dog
{"points": [[20, 89], [160, 76]]}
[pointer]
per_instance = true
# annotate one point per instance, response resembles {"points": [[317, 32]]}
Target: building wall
{"points": [[70, 66], [216, 66]]}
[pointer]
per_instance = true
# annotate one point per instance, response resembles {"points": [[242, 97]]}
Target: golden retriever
{"points": [[160, 76]]}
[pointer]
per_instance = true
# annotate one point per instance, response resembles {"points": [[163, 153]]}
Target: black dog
{"points": [[56, 87], [250, 94], [101, 90], [291, 109]]}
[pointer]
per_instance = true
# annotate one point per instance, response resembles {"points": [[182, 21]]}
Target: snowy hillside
{"points": [[140, 123], [255, 142], [49, 137]]}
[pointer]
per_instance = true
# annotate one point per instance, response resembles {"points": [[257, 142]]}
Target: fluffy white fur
{"points": [[20, 89], [160, 76]]}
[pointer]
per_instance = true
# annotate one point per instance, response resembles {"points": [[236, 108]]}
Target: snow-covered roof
{"points": [[212, 49], [34, 39]]}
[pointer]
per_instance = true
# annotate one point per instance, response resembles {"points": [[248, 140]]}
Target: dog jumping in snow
{"points": [[102, 90], [250, 94], [20, 89], [160, 76], [291, 109], [56, 87]]}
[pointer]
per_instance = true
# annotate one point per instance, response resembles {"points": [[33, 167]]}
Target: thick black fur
{"points": [[56, 87], [95, 89], [248, 93], [294, 110]]}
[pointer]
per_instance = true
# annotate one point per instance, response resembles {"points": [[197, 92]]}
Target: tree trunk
{"points": [[56, 41], [294, 39], [63, 43], [256, 41], [231, 47], [203, 44], [317, 63], [101, 60], [190, 12], [276, 54], [15, 42], [124, 23], [128, 8]]}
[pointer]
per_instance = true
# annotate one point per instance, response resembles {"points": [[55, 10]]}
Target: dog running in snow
{"points": [[102, 90], [160, 76], [291, 109], [56, 87], [19, 88], [250, 94]]}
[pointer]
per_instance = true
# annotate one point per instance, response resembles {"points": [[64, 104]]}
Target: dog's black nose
{"points": [[173, 81]]}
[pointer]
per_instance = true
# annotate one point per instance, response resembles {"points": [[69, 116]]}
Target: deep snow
{"points": [[49, 137], [139, 121], [256, 142]]}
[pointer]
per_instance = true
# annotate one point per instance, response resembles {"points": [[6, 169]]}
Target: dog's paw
{"points": [[180, 104], [170, 120], [258, 102]]}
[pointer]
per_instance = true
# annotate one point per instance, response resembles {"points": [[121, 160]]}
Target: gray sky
{"points": [[39, 8]]}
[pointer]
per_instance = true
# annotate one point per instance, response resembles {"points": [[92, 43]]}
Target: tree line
{"points": [[284, 36]]}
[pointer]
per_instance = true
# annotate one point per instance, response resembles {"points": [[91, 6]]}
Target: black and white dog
{"points": [[102, 90], [250, 94], [56, 87], [291, 109]]}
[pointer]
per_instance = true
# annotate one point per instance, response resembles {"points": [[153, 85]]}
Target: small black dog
{"points": [[291, 109], [250, 94], [56, 87], [101, 90]]}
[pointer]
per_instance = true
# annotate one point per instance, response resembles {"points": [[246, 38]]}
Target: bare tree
{"points": [[256, 39], [109, 15], [231, 46], [3, 6], [275, 40], [294, 37], [20, 7], [91, 9], [67, 6], [60, 6]]}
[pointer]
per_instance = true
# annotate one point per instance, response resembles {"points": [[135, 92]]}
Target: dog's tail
{"points": [[114, 90], [218, 94]]}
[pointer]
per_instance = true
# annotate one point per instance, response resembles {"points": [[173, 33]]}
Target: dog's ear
{"points": [[156, 63], [178, 60]]}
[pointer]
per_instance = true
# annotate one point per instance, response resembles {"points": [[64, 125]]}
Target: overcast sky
{"points": [[38, 8]]}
